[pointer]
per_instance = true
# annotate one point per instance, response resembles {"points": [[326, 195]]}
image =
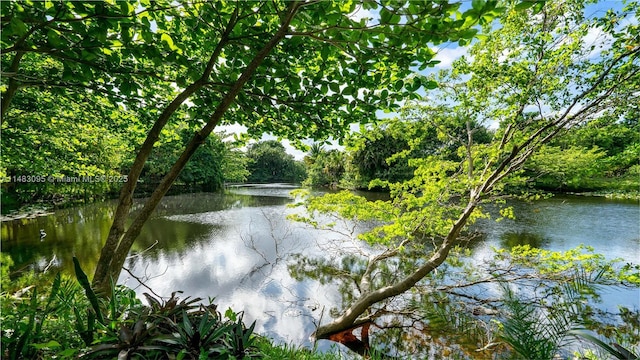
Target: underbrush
{"points": [[61, 318], [64, 319]]}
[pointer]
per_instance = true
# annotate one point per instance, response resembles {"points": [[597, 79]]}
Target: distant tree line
{"points": [[599, 155], [268, 162], [57, 154]]}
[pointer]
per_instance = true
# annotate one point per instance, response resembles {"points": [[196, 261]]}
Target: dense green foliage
{"points": [[59, 319], [46, 143], [84, 149], [599, 155], [269, 162], [87, 85], [497, 115], [382, 152], [213, 164], [325, 168]]}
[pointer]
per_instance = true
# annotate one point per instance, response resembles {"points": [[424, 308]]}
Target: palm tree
{"points": [[316, 150]]}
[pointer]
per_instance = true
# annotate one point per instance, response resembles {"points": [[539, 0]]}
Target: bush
{"points": [[38, 320], [56, 319]]}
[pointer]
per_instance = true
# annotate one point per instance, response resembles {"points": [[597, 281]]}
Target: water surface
{"points": [[235, 247]]}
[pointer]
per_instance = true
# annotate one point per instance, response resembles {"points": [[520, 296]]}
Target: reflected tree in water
{"points": [[511, 239]]}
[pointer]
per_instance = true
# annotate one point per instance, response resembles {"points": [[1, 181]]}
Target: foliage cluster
{"points": [[63, 318], [598, 156], [325, 168], [45, 143], [216, 161], [269, 162], [84, 150], [474, 100]]}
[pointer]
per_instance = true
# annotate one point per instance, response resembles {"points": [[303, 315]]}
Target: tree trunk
{"points": [[101, 278], [350, 317], [119, 242]]}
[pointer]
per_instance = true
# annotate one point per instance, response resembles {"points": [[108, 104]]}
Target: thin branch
{"points": [[141, 281]]}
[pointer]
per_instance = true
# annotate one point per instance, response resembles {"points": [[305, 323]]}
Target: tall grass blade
{"points": [[22, 340], [86, 285], [619, 352]]}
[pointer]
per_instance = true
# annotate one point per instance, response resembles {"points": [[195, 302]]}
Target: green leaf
{"points": [[477, 4], [17, 26], [126, 7], [86, 55], [538, 7], [230, 314], [469, 33], [267, 86], [524, 5], [167, 39], [415, 84], [51, 345], [385, 16], [53, 37], [431, 84], [583, 333], [55, 287], [84, 282], [324, 53]]}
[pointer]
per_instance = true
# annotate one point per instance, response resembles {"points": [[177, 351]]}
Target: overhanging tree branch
{"points": [[101, 275], [519, 153], [115, 256]]}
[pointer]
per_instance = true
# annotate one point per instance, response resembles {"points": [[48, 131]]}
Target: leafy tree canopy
{"points": [[331, 68], [269, 162]]}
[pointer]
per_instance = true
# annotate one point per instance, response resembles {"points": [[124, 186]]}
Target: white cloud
{"points": [[448, 55], [297, 154], [359, 13], [232, 129], [597, 40]]}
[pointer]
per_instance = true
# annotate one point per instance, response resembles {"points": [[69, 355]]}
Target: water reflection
{"points": [[239, 248], [240, 258], [612, 227], [510, 239], [74, 231]]}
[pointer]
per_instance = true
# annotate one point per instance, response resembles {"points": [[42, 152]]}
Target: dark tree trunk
{"points": [[119, 241]]}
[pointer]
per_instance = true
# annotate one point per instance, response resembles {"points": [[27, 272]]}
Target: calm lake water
{"points": [[236, 247]]}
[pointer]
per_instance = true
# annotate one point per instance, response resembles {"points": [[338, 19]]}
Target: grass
{"points": [[291, 352]]}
